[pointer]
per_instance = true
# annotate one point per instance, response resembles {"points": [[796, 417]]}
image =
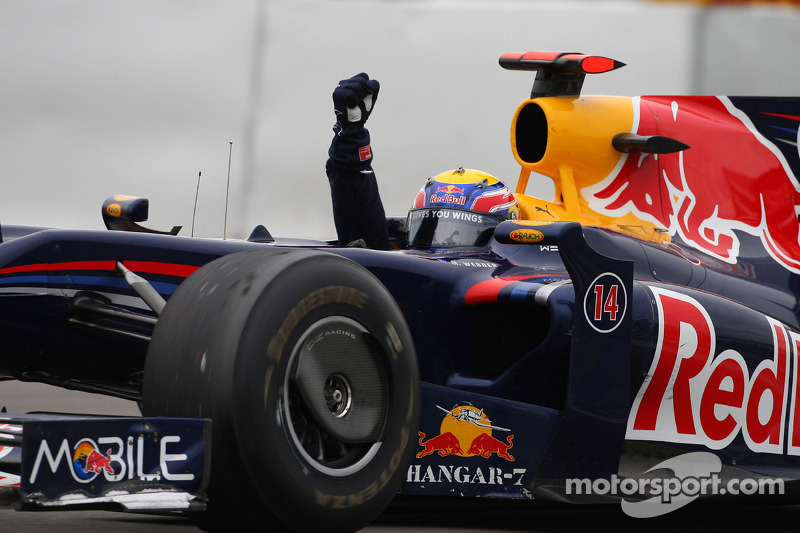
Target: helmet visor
{"points": [[445, 227]]}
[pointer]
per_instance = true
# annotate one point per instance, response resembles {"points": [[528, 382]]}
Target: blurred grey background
{"points": [[138, 96]]}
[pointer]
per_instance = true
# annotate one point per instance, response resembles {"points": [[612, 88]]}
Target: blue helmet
{"points": [[459, 207]]}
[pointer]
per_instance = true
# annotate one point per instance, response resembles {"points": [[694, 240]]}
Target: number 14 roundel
{"points": [[604, 303]]}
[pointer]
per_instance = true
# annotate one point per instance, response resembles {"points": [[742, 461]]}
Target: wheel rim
{"points": [[334, 401]]}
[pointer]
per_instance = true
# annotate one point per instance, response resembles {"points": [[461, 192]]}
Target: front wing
{"points": [[50, 461]]}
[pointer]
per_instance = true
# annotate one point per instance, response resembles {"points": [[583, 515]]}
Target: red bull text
{"points": [[691, 395], [449, 194]]}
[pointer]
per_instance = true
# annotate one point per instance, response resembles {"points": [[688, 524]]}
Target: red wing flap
{"points": [[560, 62], [558, 73]]}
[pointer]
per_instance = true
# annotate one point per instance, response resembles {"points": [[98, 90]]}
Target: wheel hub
{"points": [[338, 395]]}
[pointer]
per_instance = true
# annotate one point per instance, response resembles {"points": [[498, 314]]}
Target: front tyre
{"points": [[305, 364]]}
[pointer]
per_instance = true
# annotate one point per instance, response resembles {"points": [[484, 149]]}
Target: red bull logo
{"points": [[444, 444], [485, 445], [450, 189], [449, 194], [466, 431], [732, 179], [88, 461]]}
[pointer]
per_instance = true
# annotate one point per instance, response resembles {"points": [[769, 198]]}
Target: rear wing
{"points": [[558, 73]]}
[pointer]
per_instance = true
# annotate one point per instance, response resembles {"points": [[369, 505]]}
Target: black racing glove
{"points": [[353, 101]]}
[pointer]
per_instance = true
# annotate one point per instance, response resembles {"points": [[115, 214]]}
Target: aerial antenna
{"points": [[196, 194], [227, 192]]}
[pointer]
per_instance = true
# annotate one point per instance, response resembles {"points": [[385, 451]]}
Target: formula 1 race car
{"points": [[637, 333]]}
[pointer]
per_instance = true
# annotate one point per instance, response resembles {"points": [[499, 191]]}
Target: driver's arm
{"points": [[357, 208]]}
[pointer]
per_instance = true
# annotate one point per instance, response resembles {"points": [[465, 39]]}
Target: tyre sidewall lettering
{"points": [[339, 294], [345, 501], [352, 298]]}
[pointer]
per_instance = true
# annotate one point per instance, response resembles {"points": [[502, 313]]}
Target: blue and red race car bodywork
{"points": [[648, 311]]}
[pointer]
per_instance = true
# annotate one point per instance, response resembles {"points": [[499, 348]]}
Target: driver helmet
{"points": [[459, 207]]}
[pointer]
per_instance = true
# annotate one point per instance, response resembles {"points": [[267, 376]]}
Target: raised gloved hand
{"points": [[353, 101]]}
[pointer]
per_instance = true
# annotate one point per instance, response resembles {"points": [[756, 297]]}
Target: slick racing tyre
{"points": [[304, 364]]}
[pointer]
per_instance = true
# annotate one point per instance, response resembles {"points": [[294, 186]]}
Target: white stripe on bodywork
{"points": [[544, 293]]}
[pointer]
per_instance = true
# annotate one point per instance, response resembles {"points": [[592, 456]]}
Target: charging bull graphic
{"points": [[96, 462], [740, 174], [485, 445], [466, 431], [88, 461], [444, 444]]}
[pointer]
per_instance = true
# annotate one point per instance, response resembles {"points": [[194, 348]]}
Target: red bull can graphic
{"points": [[740, 174], [466, 431]]}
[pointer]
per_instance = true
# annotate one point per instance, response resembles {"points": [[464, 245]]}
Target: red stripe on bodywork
{"points": [[170, 269], [791, 117], [82, 265], [148, 267], [24, 268], [485, 292]]}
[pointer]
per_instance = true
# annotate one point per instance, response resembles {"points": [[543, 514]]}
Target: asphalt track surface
{"points": [[405, 516]]}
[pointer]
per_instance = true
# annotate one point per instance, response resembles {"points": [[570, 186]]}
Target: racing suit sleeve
{"points": [[357, 207]]}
